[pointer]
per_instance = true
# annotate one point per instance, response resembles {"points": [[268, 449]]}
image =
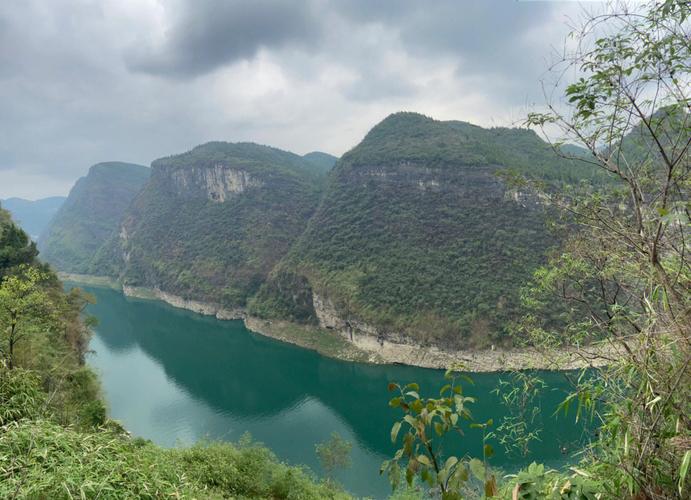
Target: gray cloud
{"points": [[84, 81], [207, 34]]}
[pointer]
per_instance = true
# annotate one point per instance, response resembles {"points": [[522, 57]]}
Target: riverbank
{"points": [[369, 349]]}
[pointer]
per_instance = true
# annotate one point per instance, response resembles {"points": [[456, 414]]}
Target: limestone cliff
{"points": [[211, 223], [418, 239]]}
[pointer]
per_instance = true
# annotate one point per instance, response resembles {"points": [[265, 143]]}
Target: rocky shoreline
{"points": [[363, 347]]}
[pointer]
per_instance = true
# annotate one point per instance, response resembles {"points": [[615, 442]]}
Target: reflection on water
{"points": [[176, 377]]}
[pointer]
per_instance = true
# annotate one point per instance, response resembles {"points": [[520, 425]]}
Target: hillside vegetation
{"points": [[55, 438], [90, 215], [417, 235], [211, 223]]}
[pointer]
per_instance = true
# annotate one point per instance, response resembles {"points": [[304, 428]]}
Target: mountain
{"points": [[90, 214], [211, 223], [33, 216], [417, 238], [322, 161]]}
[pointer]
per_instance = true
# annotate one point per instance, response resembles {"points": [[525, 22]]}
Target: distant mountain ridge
{"points": [[33, 215], [322, 161], [90, 214]]}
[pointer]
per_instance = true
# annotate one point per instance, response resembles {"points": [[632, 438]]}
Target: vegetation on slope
{"points": [[622, 280], [416, 233], [180, 239], [90, 215], [55, 439]]}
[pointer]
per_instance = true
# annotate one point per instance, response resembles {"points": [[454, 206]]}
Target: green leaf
{"points": [[384, 466], [394, 431], [424, 460], [491, 487], [488, 451], [450, 462], [684, 470], [477, 468], [409, 475], [412, 421]]}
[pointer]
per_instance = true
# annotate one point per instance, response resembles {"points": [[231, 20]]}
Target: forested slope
{"points": [[55, 438], [418, 237], [211, 223], [90, 214]]}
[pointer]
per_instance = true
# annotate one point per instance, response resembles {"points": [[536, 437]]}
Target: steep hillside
{"points": [[33, 216], [90, 214], [323, 162], [417, 238], [211, 223]]}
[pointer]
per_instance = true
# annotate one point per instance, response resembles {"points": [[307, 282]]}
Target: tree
{"points": [[623, 278], [427, 423], [23, 306], [15, 247], [334, 453]]}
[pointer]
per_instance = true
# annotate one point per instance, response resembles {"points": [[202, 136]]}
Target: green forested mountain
{"points": [[417, 236], [33, 216], [90, 214], [211, 223], [322, 161]]}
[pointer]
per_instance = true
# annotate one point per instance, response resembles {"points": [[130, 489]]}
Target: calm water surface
{"points": [[176, 377]]}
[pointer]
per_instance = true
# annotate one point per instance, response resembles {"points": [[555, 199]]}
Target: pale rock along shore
{"points": [[369, 348]]}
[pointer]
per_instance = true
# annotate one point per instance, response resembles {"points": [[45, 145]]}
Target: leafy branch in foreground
{"points": [[517, 428], [623, 279], [425, 424]]}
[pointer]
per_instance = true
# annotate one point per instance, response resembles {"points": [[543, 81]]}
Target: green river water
{"points": [[177, 377]]}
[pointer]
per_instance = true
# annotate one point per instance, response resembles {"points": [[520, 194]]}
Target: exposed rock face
{"points": [[418, 239], [205, 308], [217, 183], [212, 223]]}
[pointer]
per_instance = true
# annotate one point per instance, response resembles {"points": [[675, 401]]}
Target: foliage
{"points": [[408, 232], [40, 459], [624, 277], [15, 246], [90, 215], [426, 423], [55, 439], [518, 427], [215, 251], [21, 396], [535, 482], [334, 453], [22, 309]]}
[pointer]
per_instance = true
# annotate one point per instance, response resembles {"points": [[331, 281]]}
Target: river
{"points": [[177, 377]]}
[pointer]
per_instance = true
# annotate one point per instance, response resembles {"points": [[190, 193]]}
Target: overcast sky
{"points": [[87, 81]]}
